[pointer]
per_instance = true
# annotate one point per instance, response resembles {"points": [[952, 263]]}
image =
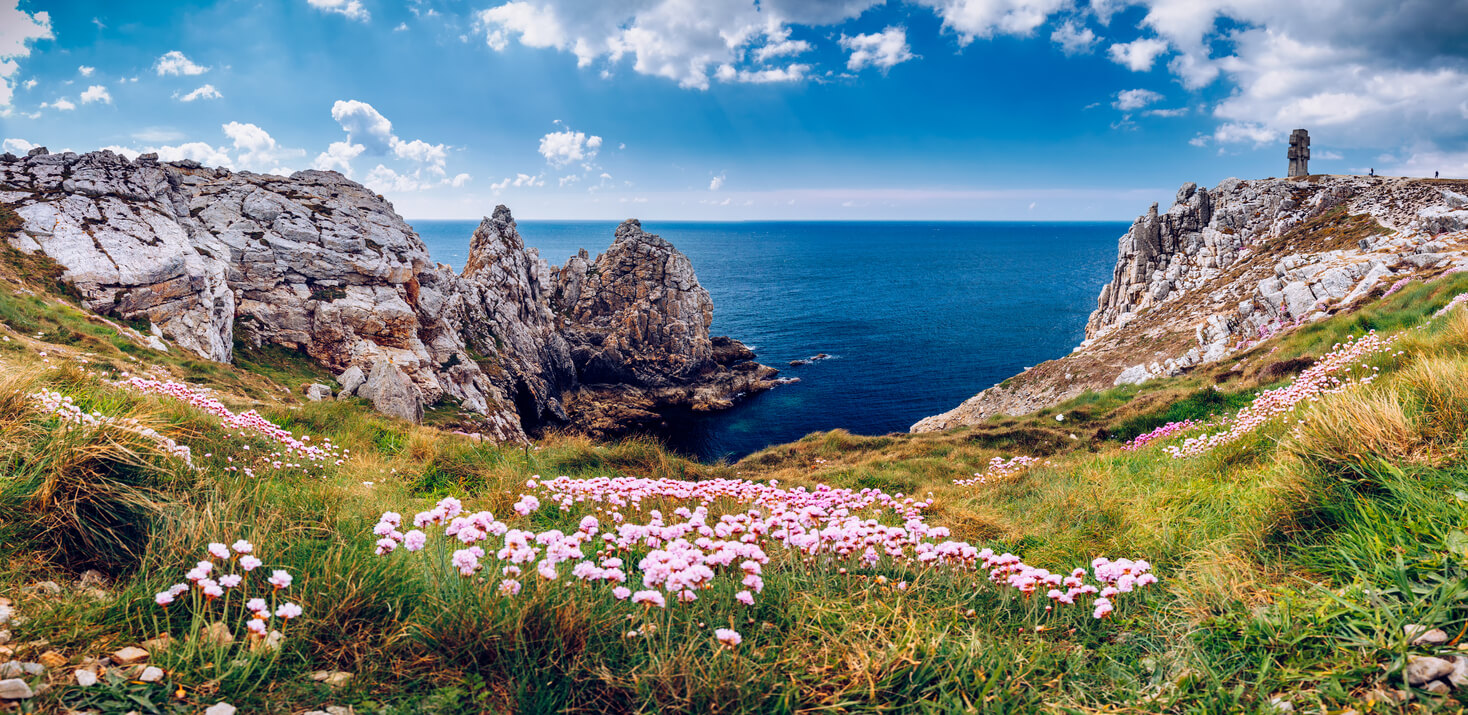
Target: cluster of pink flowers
{"points": [[1115, 578], [1332, 373], [691, 552], [210, 586], [1396, 287], [1170, 429], [62, 406], [1269, 330], [295, 453], [1000, 469], [1457, 300]]}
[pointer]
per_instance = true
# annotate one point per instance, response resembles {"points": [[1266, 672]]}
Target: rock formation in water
{"points": [[318, 263], [1225, 268]]}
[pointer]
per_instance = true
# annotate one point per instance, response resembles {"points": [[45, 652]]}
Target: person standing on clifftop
{"points": [[1372, 172], [1434, 174]]}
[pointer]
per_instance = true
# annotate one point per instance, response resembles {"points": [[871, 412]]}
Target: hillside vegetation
{"points": [[1289, 559]]}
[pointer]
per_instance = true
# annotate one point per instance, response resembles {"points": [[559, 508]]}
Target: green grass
{"points": [[1290, 560]]}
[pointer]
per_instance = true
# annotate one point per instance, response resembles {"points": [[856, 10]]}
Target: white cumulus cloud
{"points": [[1074, 38], [338, 157], [364, 124], [256, 150], [716, 183], [96, 93], [686, 42], [351, 8], [520, 180], [18, 146], [568, 146], [883, 50], [18, 31], [176, 63], [1133, 99], [971, 19], [86, 71], [205, 92], [1137, 55]]}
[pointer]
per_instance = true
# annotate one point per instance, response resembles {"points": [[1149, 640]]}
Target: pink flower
{"points": [[250, 563], [386, 545], [257, 606], [1103, 607], [243, 547], [212, 590], [163, 598], [218, 550], [256, 627], [414, 540], [178, 589], [621, 592], [745, 598], [728, 637], [653, 597], [230, 581], [288, 611], [509, 587], [280, 580]]}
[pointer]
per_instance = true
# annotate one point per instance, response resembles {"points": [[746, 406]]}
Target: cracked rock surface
{"points": [[317, 263]]}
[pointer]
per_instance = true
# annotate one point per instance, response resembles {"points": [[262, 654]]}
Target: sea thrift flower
{"points": [[288, 611], [258, 607], [230, 581], [621, 593], [163, 598], [651, 597], [509, 587], [1103, 607], [745, 598], [250, 563], [243, 547], [280, 580], [256, 627], [414, 540], [728, 637], [219, 551]]}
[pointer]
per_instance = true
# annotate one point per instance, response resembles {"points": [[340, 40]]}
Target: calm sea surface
{"points": [[916, 316]]}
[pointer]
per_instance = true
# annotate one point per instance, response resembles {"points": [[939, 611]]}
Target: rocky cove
{"points": [[317, 263], [1226, 268]]}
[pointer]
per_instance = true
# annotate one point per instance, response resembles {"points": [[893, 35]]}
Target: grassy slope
{"points": [[1289, 564]]}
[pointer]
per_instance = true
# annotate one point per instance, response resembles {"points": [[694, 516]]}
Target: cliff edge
{"points": [[318, 263], [1225, 268]]}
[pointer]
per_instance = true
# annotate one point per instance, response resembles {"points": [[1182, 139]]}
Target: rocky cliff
{"points": [[1224, 268], [318, 263]]}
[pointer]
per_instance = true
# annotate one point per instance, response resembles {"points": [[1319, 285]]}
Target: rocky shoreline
{"points": [[318, 263], [1224, 268]]}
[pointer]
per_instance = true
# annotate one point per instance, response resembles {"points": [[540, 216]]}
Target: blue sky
{"points": [[737, 109]]}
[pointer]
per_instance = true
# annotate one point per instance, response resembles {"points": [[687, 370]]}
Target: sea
{"points": [[916, 316]]}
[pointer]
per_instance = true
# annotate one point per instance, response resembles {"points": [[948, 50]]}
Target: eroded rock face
{"points": [[637, 322], [1225, 268], [319, 263]]}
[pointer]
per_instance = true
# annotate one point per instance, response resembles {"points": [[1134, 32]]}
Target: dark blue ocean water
{"points": [[917, 316]]}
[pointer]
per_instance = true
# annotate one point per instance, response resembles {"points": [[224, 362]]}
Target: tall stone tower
{"points": [[1299, 153]]}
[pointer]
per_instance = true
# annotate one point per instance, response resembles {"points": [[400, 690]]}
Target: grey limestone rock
{"points": [[15, 689], [392, 392], [317, 263]]}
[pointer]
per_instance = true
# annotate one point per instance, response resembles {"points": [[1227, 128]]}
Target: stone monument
{"points": [[1299, 153]]}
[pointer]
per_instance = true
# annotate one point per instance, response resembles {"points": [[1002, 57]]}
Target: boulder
{"points": [[317, 392], [391, 392], [350, 379]]}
